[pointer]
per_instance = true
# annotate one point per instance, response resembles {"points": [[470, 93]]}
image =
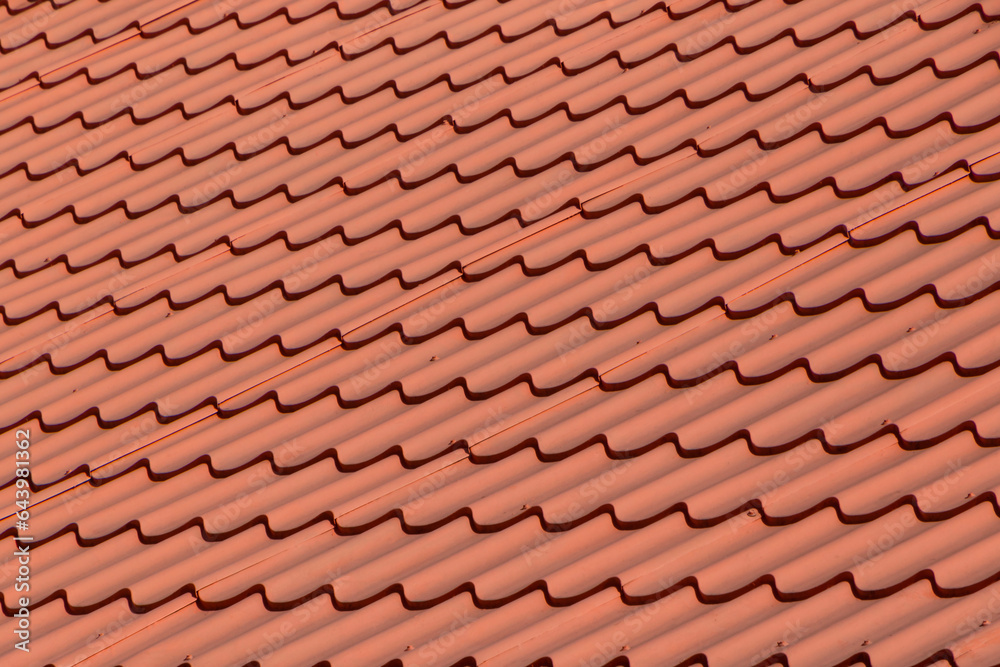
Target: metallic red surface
{"points": [[502, 333]]}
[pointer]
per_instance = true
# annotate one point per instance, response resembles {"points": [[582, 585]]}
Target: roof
{"points": [[572, 332]]}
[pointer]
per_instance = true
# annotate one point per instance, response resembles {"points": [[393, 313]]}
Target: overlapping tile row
{"points": [[507, 333], [593, 496]]}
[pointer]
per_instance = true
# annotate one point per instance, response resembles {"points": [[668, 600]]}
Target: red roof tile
{"points": [[502, 333]]}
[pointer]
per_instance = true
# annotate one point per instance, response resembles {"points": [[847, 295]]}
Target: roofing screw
{"points": [[752, 513], [524, 507], [781, 643], [984, 624], [909, 330], [968, 495], [434, 358], [625, 648], [408, 648], [865, 643], [884, 422], [773, 336]]}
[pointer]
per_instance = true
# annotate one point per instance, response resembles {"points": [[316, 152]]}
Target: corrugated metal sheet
{"points": [[502, 333]]}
